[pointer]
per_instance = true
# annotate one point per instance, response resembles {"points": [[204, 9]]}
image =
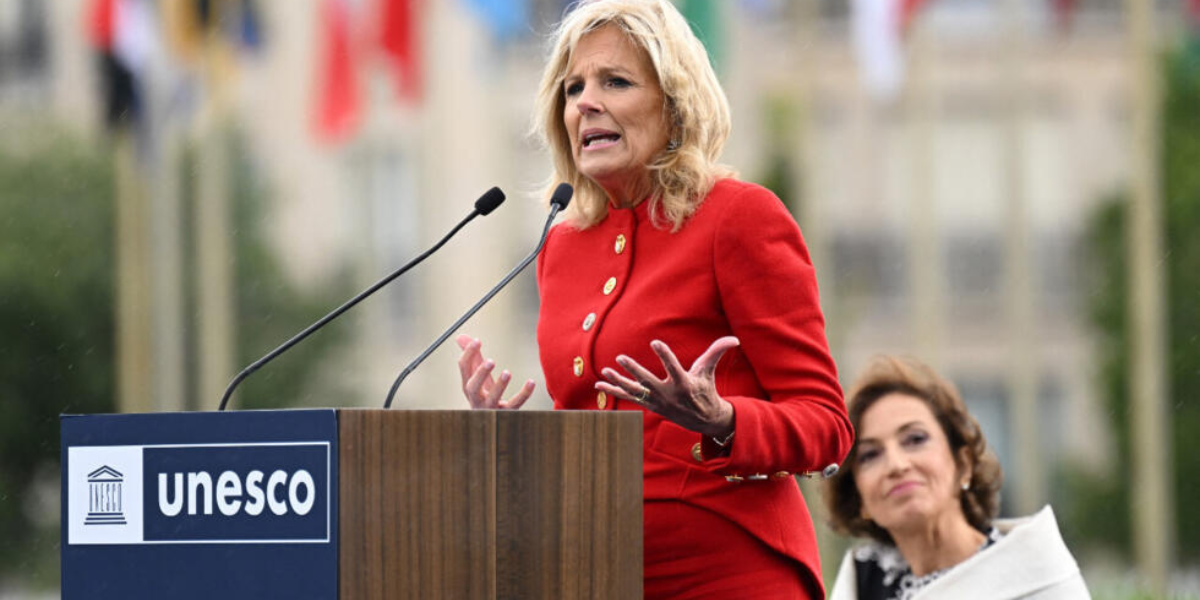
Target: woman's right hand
{"points": [[481, 389]]}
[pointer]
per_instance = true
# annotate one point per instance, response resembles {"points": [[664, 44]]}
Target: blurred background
{"points": [[1007, 189]]}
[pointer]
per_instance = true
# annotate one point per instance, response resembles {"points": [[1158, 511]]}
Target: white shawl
{"points": [[1029, 562]]}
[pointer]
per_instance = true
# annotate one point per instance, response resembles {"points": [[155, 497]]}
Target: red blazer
{"points": [[738, 267]]}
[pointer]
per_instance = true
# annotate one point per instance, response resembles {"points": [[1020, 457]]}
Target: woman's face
{"points": [[614, 113], [904, 470]]}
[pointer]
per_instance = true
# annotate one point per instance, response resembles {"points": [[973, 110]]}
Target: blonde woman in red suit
{"points": [[675, 289]]}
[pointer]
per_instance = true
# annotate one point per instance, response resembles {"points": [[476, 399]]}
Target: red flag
{"points": [[101, 24], [908, 11], [338, 106], [1064, 12], [400, 43], [121, 33]]}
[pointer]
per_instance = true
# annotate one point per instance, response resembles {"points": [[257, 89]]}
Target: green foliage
{"points": [[1093, 514], [1125, 593], [57, 325], [780, 124], [269, 308], [56, 313], [1181, 195]]}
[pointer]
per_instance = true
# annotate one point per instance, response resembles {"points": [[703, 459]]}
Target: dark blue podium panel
{"points": [[226, 505]]}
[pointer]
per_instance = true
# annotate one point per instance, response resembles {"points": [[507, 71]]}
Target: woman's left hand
{"points": [[686, 397]]}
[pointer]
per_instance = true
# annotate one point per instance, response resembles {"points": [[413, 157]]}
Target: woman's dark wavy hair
{"points": [[902, 375]]}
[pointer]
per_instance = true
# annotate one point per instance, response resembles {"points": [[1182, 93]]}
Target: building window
{"points": [[23, 43]]}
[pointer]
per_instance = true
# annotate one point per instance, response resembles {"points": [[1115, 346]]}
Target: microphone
{"points": [[558, 201], [483, 206]]}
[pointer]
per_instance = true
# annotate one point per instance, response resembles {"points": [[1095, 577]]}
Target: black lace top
{"points": [[882, 573]]}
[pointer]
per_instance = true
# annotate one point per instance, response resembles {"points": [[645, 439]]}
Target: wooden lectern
{"points": [[489, 504]]}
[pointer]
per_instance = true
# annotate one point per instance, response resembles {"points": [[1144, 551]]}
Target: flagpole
{"points": [[133, 323], [924, 235], [1152, 508], [803, 167], [166, 257], [213, 229], [1019, 301]]}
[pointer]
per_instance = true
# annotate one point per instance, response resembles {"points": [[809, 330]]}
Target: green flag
{"points": [[705, 19]]}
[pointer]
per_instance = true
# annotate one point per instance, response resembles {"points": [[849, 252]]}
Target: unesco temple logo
{"points": [[105, 491]]}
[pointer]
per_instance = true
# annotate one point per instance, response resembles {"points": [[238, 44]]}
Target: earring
{"points": [[672, 145], [966, 485]]}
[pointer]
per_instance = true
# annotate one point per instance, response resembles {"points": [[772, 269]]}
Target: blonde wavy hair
{"points": [[685, 170]]}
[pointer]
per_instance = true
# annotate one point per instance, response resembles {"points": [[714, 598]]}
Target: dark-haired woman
{"points": [[921, 484]]}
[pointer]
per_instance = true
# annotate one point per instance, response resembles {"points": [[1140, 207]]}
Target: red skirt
{"points": [[691, 553]]}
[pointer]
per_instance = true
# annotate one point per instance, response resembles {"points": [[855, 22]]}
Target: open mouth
{"points": [[600, 139]]}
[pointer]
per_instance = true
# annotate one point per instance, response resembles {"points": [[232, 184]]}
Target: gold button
{"points": [[579, 366], [588, 321], [601, 400], [619, 247], [781, 474], [610, 285], [696, 453]]}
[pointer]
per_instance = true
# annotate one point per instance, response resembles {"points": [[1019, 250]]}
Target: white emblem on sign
{"points": [[105, 487], [104, 496]]}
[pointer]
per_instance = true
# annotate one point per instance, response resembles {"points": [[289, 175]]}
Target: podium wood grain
{"points": [[490, 504]]}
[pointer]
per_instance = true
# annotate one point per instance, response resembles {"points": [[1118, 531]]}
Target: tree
{"points": [[57, 320], [56, 316], [1100, 512]]}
